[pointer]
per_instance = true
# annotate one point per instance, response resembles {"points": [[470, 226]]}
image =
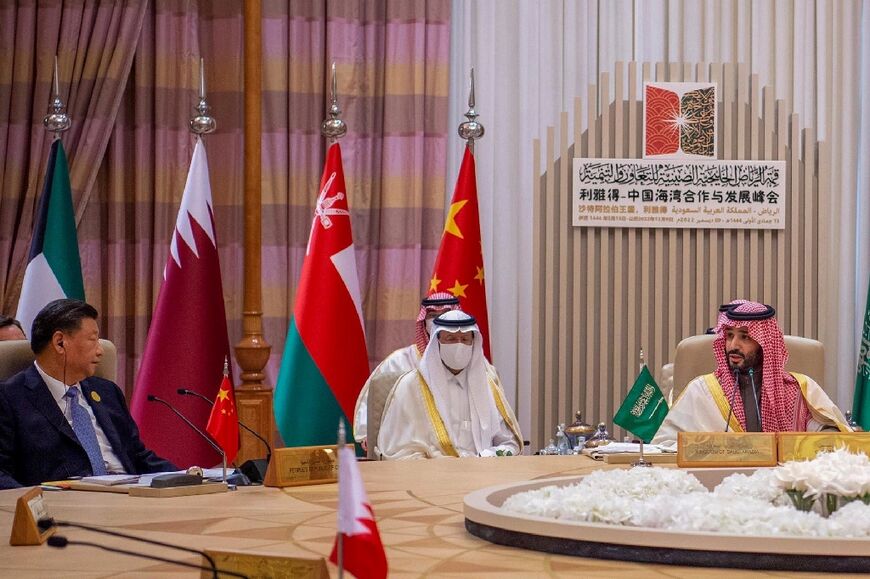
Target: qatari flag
{"points": [[187, 341]]}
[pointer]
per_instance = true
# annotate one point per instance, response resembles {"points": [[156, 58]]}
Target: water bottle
{"points": [[562, 440]]}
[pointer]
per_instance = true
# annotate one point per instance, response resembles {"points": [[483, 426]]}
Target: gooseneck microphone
{"points": [[49, 522], [61, 542], [255, 469], [733, 395], [187, 392], [755, 395], [206, 437]]}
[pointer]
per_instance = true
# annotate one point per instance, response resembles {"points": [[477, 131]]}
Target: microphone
{"points": [[255, 469], [733, 395], [206, 437], [49, 522], [61, 542], [755, 395]]}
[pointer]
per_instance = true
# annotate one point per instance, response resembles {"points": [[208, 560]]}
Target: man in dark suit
{"points": [[59, 421]]}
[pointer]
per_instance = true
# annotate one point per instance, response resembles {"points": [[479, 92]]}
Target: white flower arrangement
{"points": [[760, 504]]}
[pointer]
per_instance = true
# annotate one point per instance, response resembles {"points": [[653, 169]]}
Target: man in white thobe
{"points": [[453, 405], [750, 391], [402, 360]]}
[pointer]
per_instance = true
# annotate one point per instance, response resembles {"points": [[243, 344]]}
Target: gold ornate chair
{"points": [[379, 389]]}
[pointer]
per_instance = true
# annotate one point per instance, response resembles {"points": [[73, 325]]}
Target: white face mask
{"points": [[456, 356]]}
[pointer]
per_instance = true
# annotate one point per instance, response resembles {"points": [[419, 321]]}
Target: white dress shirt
{"points": [[58, 391]]}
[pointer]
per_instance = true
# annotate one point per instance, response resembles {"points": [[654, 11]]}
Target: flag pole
{"points": [[333, 128], [471, 130], [340, 535], [56, 121], [202, 124], [641, 461]]}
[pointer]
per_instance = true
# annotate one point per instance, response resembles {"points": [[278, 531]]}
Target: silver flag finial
{"points": [[56, 121], [226, 366], [471, 130], [333, 128], [202, 123]]}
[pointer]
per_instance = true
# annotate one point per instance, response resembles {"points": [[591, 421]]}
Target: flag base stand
{"points": [[632, 457], [266, 566], [302, 465], [205, 488]]}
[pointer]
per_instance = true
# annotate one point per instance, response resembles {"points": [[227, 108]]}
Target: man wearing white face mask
{"points": [[453, 405], [404, 359]]}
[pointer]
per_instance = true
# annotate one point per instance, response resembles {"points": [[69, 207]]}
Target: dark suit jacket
{"points": [[37, 443]]}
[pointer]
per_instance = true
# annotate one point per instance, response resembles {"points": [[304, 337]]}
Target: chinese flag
{"points": [[223, 423], [459, 265]]}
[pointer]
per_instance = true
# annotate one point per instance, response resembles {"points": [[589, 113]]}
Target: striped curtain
{"points": [[392, 69], [392, 61], [94, 42]]}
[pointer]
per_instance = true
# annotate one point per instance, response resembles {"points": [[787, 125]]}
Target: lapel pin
{"points": [[94, 396]]}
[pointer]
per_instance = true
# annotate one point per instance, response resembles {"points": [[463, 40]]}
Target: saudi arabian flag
{"points": [[54, 268], [644, 408], [861, 403], [325, 362]]}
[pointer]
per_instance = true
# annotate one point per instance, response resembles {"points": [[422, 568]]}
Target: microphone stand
{"points": [[61, 542], [214, 445], [45, 524], [755, 395], [733, 395], [187, 392]]}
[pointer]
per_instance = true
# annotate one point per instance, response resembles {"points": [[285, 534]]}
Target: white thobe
{"points": [[408, 431], [702, 407]]}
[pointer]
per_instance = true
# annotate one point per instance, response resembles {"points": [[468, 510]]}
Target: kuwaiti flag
{"points": [[54, 268], [187, 342], [362, 551], [325, 362], [459, 265]]}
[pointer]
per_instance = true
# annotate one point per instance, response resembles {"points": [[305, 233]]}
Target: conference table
{"points": [[418, 506]]}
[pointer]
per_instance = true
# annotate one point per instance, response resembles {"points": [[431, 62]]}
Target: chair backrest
{"points": [[694, 357], [379, 389], [16, 355]]}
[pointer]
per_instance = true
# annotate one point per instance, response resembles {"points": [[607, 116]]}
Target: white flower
{"points": [[743, 505], [762, 484], [851, 520]]}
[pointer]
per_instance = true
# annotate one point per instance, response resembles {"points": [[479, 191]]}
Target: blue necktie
{"points": [[84, 429]]}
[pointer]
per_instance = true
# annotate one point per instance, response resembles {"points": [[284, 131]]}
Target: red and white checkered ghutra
{"points": [[782, 405]]}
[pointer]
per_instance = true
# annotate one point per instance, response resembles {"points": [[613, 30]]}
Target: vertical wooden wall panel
{"points": [[565, 264], [538, 372], [578, 314], [768, 125], [590, 330], [794, 193], [754, 122], [550, 239], [782, 252], [601, 294]]}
